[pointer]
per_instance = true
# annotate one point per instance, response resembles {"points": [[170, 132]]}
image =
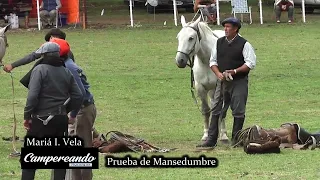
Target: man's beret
{"points": [[48, 47], [233, 21], [55, 32]]}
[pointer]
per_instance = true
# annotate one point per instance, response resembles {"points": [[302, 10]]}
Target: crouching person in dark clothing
{"points": [[50, 85], [85, 118]]}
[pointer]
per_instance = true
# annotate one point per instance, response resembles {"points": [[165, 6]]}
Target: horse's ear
{"points": [[197, 21], [7, 27], [4, 29], [183, 21]]}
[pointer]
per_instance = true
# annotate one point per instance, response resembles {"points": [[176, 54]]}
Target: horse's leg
{"points": [[218, 109], [203, 95], [223, 131], [216, 101]]}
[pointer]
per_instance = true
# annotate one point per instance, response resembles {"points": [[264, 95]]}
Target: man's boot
{"points": [[237, 126], [211, 141]]}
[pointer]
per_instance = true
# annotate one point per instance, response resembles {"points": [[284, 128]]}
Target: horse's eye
{"points": [[190, 38]]}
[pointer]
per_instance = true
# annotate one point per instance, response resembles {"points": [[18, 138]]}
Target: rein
{"points": [[15, 153]]}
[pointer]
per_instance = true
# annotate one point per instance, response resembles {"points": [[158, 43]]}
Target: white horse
{"points": [[3, 42], [196, 39]]}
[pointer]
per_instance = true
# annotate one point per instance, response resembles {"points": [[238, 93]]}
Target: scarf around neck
{"points": [[50, 60]]}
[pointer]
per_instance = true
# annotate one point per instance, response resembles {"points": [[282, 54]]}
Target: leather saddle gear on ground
{"points": [[119, 142], [256, 139]]}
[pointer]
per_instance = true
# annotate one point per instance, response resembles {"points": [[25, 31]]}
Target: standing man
{"points": [[235, 56], [48, 12], [51, 84], [85, 118]]}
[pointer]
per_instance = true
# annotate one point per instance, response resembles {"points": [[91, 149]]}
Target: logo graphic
{"points": [[58, 153]]}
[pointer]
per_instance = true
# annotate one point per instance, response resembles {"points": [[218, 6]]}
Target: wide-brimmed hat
{"points": [[48, 47], [233, 21], [55, 32]]}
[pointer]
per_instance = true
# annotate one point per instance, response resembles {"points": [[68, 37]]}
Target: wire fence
{"points": [[150, 13], [118, 13]]}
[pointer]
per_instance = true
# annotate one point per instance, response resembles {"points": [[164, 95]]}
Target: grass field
{"points": [[139, 90]]}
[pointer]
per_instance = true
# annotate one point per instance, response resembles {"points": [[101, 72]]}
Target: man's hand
{"points": [[220, 76], [7, 68], [227, 76], [26, 124], [72, 120], [232, 72], [216, 71]]}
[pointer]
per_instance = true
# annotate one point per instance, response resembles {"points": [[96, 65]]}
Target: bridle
{"points": [[191, 60]]}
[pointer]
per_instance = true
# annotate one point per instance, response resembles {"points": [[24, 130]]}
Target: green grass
{"points": [[139, 90]]}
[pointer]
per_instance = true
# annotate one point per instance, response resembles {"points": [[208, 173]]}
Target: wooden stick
{"points": [[84, 14]]}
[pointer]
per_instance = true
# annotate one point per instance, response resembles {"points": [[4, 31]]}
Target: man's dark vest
{"points": [[229, 56], [49, 5]]}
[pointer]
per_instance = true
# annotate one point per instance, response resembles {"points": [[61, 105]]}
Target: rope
{"points": [[192, 89], [241, 136], [15, 153]]}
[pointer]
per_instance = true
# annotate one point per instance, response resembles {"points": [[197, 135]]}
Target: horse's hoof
{"points": [[204, 138], [224, 141]]}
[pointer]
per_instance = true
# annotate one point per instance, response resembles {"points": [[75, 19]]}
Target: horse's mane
{"points": [[204, 29]]}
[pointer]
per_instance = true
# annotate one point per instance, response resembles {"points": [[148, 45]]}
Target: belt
{"points": [[61, 111], [87, 103]]}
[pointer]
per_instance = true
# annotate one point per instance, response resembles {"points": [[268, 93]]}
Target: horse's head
{"points": [[188, 42], [3, 41], [3, 30]]}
